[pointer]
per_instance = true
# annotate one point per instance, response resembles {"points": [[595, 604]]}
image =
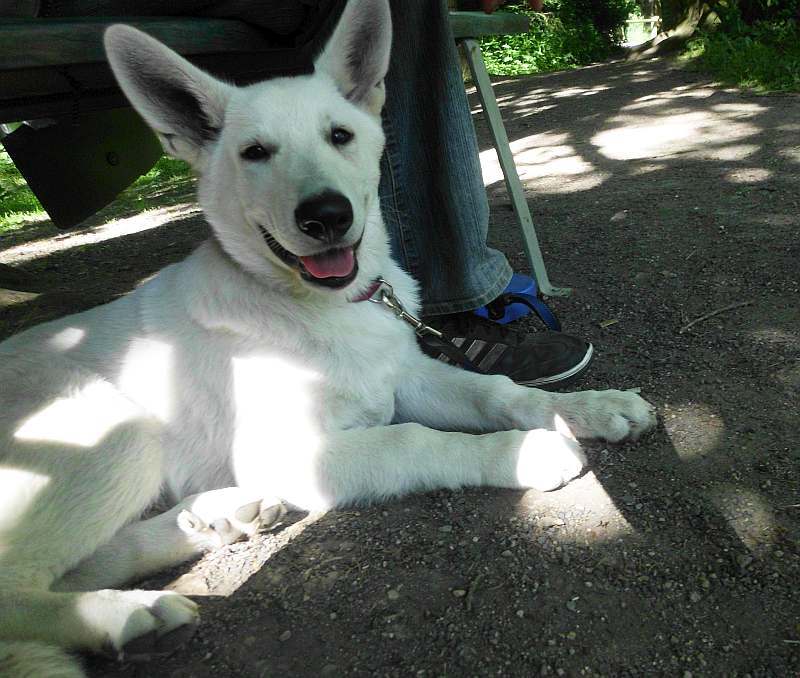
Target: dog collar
{"points": [[370, 292]]}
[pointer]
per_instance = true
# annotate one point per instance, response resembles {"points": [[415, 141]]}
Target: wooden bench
{"points": [[48, 67], [467, 28], [55, 69]]}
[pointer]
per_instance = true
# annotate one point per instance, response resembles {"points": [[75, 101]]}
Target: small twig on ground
{"points": [[711, 314], [783, 362], [471, 591], [793, 642]]}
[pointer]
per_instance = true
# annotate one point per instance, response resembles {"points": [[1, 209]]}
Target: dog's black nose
{"points": [[326, 217]]}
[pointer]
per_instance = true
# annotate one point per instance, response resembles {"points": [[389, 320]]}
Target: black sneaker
{"points": [[539, 359]]}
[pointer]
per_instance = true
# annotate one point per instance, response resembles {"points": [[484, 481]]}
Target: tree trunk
{"points": [[679, 21]]}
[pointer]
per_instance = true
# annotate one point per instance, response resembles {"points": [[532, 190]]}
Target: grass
{"points": [[553, 43], [19, 206], [764, 56]]}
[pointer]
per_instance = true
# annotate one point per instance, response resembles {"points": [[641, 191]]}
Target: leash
{"points": [[381, 292]]}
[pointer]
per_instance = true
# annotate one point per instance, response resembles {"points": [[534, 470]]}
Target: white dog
{"points": [[256, 368]]}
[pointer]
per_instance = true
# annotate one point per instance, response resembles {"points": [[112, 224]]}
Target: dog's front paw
{"points": [[219, 517], [548, 460], [611, 415]]}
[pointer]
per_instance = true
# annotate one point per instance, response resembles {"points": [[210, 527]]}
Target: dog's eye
{"points": [[256, 152], [340, 136]]}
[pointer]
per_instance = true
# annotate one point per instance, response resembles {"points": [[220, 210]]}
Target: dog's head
{"points": [[289, 168]]}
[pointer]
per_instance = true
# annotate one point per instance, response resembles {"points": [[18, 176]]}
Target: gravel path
{"points": [[659, 197]]}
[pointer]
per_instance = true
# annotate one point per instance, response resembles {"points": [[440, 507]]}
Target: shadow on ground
{"points": [[659, 197]]}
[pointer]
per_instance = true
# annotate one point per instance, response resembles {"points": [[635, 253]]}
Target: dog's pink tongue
{"points": [[331, 264]]}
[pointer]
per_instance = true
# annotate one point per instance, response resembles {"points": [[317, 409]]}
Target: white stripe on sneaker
{"points": [[563, 376], [492, 357]]}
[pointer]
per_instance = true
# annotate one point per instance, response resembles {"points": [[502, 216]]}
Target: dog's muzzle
{"points": [[337, 267]]}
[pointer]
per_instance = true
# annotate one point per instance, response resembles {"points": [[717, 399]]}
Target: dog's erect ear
{"points": [[184, 105], [357, 54]]}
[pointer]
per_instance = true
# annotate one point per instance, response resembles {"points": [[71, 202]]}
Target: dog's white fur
{"points": [[227, 379]]}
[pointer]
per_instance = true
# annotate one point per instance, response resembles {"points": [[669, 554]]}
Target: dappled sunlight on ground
{"points": [[223, 572], [656, 135], [581, 512], [748, 175], [113, 229], [776, 337], [694, 429], [579, 91], [748, 514], [791, 154], [537, 161]]}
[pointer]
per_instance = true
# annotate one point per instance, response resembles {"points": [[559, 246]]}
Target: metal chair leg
{"points": [[483, 84]]}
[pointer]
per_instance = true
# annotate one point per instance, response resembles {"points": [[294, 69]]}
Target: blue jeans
{"points": [[432, 193]]}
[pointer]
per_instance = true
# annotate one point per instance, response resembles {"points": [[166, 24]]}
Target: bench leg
{"points": [[486, 94]]}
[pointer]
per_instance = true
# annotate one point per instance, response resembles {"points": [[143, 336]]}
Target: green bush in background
{"points": [[567, 34], [756, 43], [17, 203]]}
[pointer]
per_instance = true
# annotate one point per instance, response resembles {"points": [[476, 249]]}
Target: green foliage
{"points": [[607, 16], [752, 11], [762, 52], [19, 206], [17, 203], [572, 33]]}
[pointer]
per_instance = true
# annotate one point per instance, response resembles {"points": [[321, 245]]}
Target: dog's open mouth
{"points": [[337, 267]]}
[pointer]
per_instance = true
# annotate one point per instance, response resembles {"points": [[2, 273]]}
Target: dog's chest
{"points": [[363, 365], [339, 377], [360, 386]]}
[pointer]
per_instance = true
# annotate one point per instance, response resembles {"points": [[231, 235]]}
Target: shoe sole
{"points": [[565, 377]]}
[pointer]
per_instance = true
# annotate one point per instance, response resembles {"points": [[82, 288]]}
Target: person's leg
{"points": [[434, 204], [432, 193]]}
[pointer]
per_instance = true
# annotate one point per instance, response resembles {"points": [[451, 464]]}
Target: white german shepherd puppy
{"points": [[253, 369]]}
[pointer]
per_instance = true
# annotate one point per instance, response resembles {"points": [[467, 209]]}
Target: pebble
{"points": [[285, 636], [459, 593], [393, 594], [506, 554]]}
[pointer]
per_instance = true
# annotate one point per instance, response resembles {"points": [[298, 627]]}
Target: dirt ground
{"points": [[659, 198]]}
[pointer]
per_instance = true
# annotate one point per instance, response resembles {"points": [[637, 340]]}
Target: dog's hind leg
{"points": [[35, 660], [63, 495], [198, 524]]}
